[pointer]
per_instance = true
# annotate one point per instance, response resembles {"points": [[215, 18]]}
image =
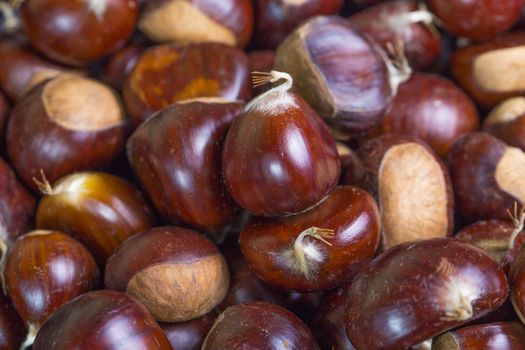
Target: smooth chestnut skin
{"points": [[259, 325], [485, 176], [229, 22], [493, 336], [432, 108], [76, 32], [517, 282], [177, 273], [268, 243], [102, 319], [391, 21], [275, 19], [98, 209], [64, 125], [189, 335], [337, 71], [176, 155], [121, 63], [44, 270], [186, 71], [507, 122], [486, 18], [12, 330], [461, 283], [17, 205]]}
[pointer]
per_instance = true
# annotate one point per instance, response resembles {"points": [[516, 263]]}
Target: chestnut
{"points": [[275, 19], [44, 270], [176, 155], [4, 111], [121, 63], [412, 187], [500, 336], [259, 325], [170, 73], [486, 176], [101, 320], [517, 282], [352, 170], [189, 335], [338, 71], [319, 249], [486, 18], [261, 61], [78, 32], [98, 209], [66, 124], [507, 122], [228, 22], [405, 20], [12, 331], [279, 157], [177, 273], [417, 290]]}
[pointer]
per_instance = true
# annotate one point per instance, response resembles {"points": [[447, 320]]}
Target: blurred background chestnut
{"points": [[189, 335], [12, 329], [121, 63], [507, 122]]}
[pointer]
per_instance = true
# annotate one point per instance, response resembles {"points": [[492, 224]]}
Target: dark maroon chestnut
{"points": [[486, 176], [517, 282], [78, 32], [64, 125], [415, 291], [486, 18], [189, 335], [279, 157], [121, 63], [228, 22], [98, 209], [338, 71], [12, 330], [405, 20], [507, 122], [412, 187], [170, 73], [178, 274], [352, 170], [432, 108], [102, 320], [259, 325], [493, 336], [44, 270], [176, 155], [319, 249], [275, 19], [261, 61], [4, 111]]}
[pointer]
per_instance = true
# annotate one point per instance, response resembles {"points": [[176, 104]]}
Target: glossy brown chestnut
{"points": [[490, 71], [412, 187], [102, 320], [64, 125], [44, 270], [170, 73], [486, 176], [78, 32], [414, 291], [12, 330], [275, 19], [517, 283], [319, 249], [176, 155], [485, 19], [121, 63], [493, 336], [404, 20], [279, 157], [189, 335], [507, 122], [98, 209], [259, 325], [228, 22], [432, 108], [178, 274], [338, 72]]}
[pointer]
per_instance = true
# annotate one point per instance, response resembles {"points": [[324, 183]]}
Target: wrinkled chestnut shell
{"points": [[44, 270], [259, 325], [500, 335], [121, 63], [432, 108], [170, 73], [353, 215], [176, 155], [381, 294], [275, 19], [78, 32], [12, 330], [101, 320], [189, 335]]}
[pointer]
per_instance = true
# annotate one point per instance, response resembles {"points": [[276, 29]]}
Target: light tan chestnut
{"points": [[177, 273]]}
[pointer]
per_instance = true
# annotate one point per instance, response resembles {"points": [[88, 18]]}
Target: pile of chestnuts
{"points": [[262, 174]]}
